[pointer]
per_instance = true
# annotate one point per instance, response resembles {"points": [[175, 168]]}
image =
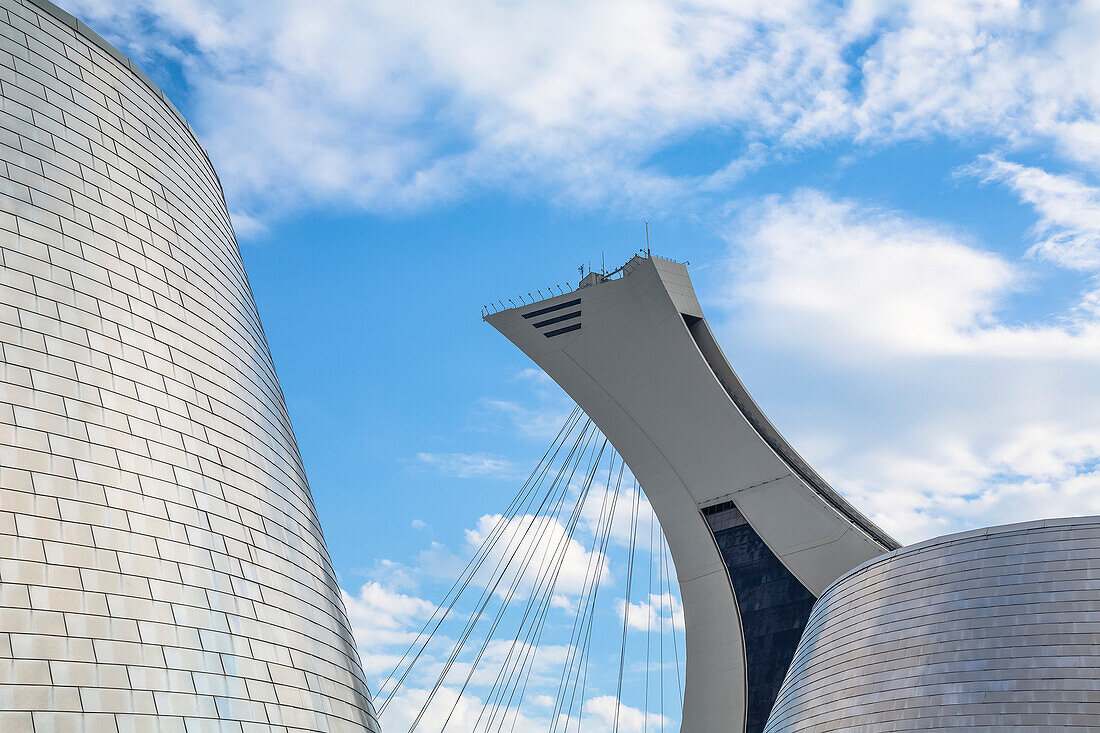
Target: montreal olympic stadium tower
{"points": [[162, 567]]}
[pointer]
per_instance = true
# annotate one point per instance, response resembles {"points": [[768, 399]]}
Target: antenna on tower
{"points": [[647, 254]]}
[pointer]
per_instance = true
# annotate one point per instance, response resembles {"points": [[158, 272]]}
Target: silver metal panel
{"points": [[996, 629], [161, 563]]}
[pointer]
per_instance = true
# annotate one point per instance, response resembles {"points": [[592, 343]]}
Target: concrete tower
{"points": [[161, 563], [755, 534], [801, 615]]}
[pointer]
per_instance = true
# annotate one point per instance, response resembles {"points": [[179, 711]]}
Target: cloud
{"points": [[538, 411], [389, 611], [859, 282], [1018, 72], [246, 225], [630, 720], [390, 107], [647, 615], [545, 662], [564, 602], [599, 714], [623, 533], [393, 575], [540, 422], [534, 542], [407, 704], [1068, 230], [381, 619], [535, 376], [418, 524], [468, 465], [906, 382], [384, 622]]}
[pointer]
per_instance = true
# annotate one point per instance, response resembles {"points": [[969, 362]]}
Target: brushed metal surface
{"points": [[995, 629], [162, 567]]}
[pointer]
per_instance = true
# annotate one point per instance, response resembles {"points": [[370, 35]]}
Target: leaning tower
{"points": [[162, 567]]}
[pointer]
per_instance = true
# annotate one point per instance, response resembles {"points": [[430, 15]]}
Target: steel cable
{"points": [[526, 491], [499, 573], [626, 608]]}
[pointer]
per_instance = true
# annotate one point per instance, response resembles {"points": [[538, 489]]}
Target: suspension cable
{"points": [[648, 627], [499, 573], [549, 571], [520, 564], [580, 635], [524, 660], [524, 494], [605, 540], [626, 608], [661, 635], [524, 665], [672, 611]]}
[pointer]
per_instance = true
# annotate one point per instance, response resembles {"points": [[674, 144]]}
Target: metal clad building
{"points": [[161, 562], [991, 630]]}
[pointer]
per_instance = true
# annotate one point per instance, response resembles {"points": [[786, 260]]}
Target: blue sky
{"points": [[892, 211]]}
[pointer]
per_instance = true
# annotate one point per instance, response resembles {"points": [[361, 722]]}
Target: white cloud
{"points": [[599, 714], [393, 575], [407, 704], [630, 720], [385, 622], [858, 282], [541, 422], [943, 415], [545, 662], [418, 524], [1019, 72], [1069, 210], [382, 619], [538, 412], [246, 225], [389, 106], [918, 491], [623, 532], [564, 602], [527, 544], [536, 376], [468, 465], [647, 615]]}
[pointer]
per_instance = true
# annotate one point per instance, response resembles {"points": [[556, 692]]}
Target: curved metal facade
{"points": [[161, 562], [996, 629]]}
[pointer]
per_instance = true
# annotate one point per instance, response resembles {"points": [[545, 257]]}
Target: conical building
{"points": [[162, 567]]}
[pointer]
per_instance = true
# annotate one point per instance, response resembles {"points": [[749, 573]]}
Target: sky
{"points": [[891, 210]]}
